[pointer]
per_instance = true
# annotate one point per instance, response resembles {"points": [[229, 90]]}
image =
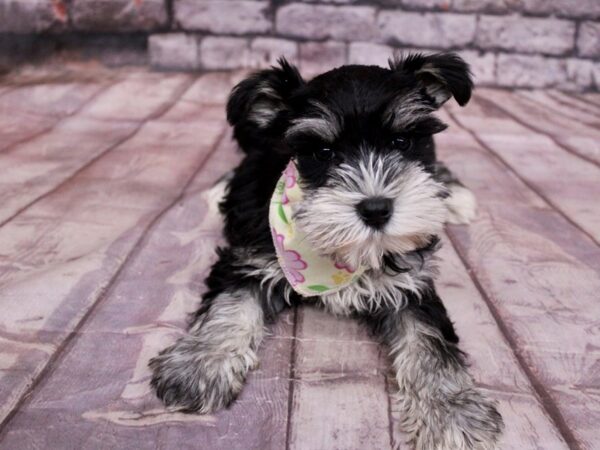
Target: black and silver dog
{"points": [[361, 140]]}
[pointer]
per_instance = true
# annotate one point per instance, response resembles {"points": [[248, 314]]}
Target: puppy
{"points": [[339, 199]]}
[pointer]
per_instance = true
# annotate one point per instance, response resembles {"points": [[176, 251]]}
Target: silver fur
{"points": [[267, 106], [442, 408], [406, 110], [328, 215], [374, 290], [208, 367], [321, 123]]}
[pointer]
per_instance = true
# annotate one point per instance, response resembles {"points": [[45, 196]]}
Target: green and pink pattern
{"points": [[307, 271]]}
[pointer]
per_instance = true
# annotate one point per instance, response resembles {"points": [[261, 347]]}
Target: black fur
{"points": [[333, 120]]}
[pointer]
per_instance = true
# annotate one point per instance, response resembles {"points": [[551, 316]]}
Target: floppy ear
{"points": [[262, 96], [441, 75]]}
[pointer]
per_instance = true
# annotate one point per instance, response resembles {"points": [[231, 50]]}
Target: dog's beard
{"points": [[329, 219]]}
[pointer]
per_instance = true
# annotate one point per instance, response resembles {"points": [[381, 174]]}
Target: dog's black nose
{"points": [[375, 211]]}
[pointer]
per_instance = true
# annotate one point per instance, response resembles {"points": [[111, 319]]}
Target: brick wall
{"points": [[523, 43]]}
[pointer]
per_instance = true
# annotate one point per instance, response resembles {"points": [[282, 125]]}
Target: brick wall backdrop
{"points": [[523, 43]]}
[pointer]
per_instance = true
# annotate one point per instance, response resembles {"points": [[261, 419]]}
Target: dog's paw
{"points": [[461, 204], [192, 377], [467, 421]]}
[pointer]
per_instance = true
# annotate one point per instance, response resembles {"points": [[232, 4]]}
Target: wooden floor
{"points": [[105, 238]]}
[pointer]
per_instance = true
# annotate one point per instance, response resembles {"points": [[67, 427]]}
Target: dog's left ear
{"points": [[261, 97], [441, 75]]}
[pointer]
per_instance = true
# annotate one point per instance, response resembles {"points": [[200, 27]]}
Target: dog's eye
{"points": [[402, 143], [324, 154]]}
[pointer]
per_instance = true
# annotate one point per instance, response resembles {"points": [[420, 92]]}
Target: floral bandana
{"points": [[308, 272]]}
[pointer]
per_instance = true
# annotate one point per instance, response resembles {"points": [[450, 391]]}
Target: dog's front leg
{"points": [[441, 406], [206, 369]]}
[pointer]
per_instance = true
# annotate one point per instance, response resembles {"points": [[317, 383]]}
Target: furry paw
{"points": [[461, 204], [467, 421], [194, 377]]}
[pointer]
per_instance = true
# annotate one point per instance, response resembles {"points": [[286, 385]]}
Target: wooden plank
{"points": [[338, 366], [560, 177], [45, 162], [49, 99], [540, 276], [57, 257], [563, 103], [492, 361], [143, 312], [573, 135], [567, 106], [590, 97], [340, 398], [30, 111], [135, 98]]}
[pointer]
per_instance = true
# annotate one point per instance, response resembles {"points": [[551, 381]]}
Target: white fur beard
{"points": [[328, 215]]}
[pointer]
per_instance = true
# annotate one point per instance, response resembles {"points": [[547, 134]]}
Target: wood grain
{"points": [[340, 398], [573, 134], [53, 270], [108, 234], [537, 282], [558, 176], [33, 110], [143, 312]]}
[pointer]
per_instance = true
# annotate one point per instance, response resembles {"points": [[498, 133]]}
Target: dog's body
{"points": [[374, 195]]}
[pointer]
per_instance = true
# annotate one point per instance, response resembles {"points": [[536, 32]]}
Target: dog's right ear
{"points": [[259, 99]]}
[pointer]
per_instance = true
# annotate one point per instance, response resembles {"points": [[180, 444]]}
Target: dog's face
{"points": [[361, 138]]}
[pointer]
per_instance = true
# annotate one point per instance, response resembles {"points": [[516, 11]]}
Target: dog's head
{"points": [[361, 138]]}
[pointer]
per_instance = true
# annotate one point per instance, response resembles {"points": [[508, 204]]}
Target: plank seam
{"points": [[537, 130], [63, 347], [530, 185], [388, 392], [158, 113], [555, 109], [59, 120], [291, 384], [542, 394], [574, 103], [585, 99]]}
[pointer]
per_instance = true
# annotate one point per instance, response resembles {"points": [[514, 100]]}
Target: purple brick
{"points": [[324, 21], [264, 52], [527, 35], [426, 30], [483, 6], [530, 71], [31, 16], [587, 9], [224, 53], [317, 57], [580, 74], [174, 51], [369, 53], [483, 66], [588, 42], [118, 15], [223, 17], [425, 4]]}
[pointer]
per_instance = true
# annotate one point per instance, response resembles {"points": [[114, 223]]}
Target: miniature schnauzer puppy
{"points": [[358, 140]]}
